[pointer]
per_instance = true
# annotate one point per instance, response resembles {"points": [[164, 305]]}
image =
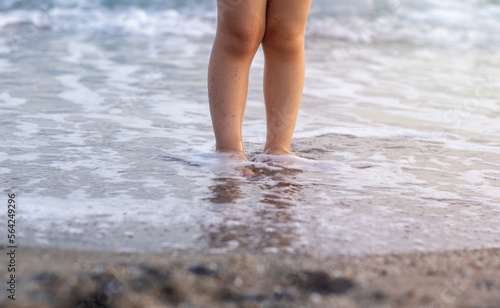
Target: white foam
{"points": [[295, 162], [219, 163], [6, 66], [7, 101], [80, 94], [228, 164]]}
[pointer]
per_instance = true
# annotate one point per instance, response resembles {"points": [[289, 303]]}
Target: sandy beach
{"points": [[49, 277]]}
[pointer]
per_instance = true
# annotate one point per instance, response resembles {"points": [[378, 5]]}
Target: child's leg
{"points": [[283, 46], [240, 28]]}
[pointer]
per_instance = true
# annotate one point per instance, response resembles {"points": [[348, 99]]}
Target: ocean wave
{"points": [[444, 23]]}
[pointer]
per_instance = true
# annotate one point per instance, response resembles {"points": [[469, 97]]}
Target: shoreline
{"points": [[72, 278]]}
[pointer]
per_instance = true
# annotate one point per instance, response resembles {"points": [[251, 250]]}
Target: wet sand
{"points": [[50, 277]]}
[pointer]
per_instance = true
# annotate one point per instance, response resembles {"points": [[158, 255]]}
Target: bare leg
{"points": [[240, 29], [283, 45]]}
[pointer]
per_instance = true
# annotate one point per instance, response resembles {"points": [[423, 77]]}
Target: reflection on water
{"points": [[278, 185], [225, 190], [269, 226]]}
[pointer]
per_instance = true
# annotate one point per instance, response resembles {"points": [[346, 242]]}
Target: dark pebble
{"points": [[321, 282], [46, 278], [255, 297], [170, 294], [282, 296], [97, 299], [379, 296], [200, 270], [226, 294]]}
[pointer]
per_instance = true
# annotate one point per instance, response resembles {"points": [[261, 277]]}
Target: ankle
{"points": [[239, 154], [278, 150]]}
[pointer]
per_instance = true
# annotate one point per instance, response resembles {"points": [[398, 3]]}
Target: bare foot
{"points": [[238, 157], [278, 150]]}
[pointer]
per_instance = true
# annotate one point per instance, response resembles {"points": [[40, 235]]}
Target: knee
{"points": [[287, 43], [241, 40]]}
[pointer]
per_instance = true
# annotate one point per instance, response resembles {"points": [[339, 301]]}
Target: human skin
{"points": [[242, 25]]}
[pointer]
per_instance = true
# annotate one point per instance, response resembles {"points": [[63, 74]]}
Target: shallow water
{"points": [[107, 142]]}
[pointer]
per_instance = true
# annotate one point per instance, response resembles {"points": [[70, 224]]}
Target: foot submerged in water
{"points": [[236, 158], [278, 150], [277, 156]]}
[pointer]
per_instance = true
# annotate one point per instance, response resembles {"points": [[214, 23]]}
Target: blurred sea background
{"points": [[470, 23], [107, 142]]}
